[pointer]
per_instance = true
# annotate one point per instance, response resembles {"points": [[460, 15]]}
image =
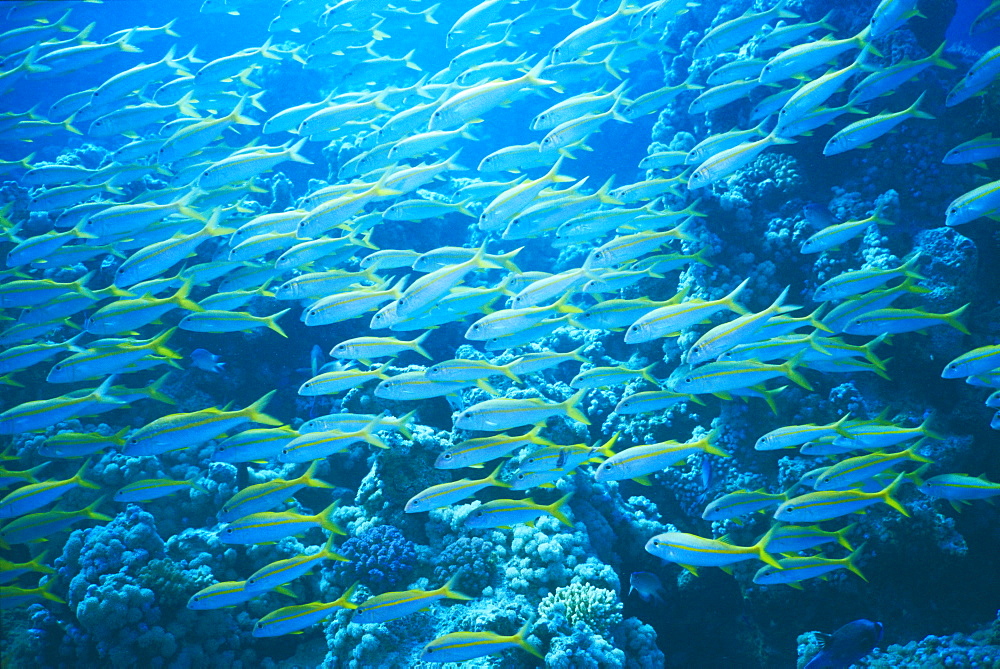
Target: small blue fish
{"points": [[647, 585], [207, 361]]}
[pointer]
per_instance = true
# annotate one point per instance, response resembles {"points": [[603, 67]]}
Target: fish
{"points": [[147, 490], [726, 336], [39, 414], [860, 281], [280, 572], [793, 570], [34, 496], [727, 36], [446, 494], [976, 151], [332, 383], [292, 619], [36, 527], [183, 430], [647, 585], [272, 526], [667, 320], [691, 551], [315, 445], [474, 452], [461, 646], [392, 605], [854, 471], [638, 462], [957, 488], [502, 414], [796, 538], [828, 504], [977, 361], [741, 502], [982, 201], [207, 361], [835, 234], [509, 512], [846, 645], [861, 133], [269, 494], [254, 444]]}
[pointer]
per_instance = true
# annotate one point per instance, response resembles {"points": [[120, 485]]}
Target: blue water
{"points": [[125, 584]]}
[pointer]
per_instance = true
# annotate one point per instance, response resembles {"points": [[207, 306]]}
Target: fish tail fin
{"points": [[236, 116], [448, 589], [154, 391], [842, 536], [125, 45], [157, 344], [180, 298], [505, 260], [852, 558], [255, 411], [887, 495], [952, 319], [404, 422], [602, 193], [417, 345], [556, 509], [914, 109], [936, 58], [429, 14], [38, 563], [508, 372], [90, 511], [916, 477], [309, 477], [607, 448], [577, 354], [532, 436], [326, 520], [534, 75], [911, 452], [730, 299], [927, 432], [492, 478], [572, 410], [272, 322], [295, 156], [369, 436], [760, 548], [185, 107], [789, 368], [908, 268], [563, 306], [839, 428], [46, 592], [80, 481], [344, 601], [521, 640]]}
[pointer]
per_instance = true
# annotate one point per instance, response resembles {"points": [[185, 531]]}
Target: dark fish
{"points": [[818, 216], [847, 645]]}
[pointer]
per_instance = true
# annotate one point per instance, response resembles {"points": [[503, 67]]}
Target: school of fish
{"points": [[199, 130]]}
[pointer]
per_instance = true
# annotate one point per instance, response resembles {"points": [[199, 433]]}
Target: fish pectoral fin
{"points": [[690, 568]]}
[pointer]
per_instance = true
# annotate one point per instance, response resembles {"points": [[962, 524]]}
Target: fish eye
{"points": [[688, 380], [229, 530], [447, 456]]}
